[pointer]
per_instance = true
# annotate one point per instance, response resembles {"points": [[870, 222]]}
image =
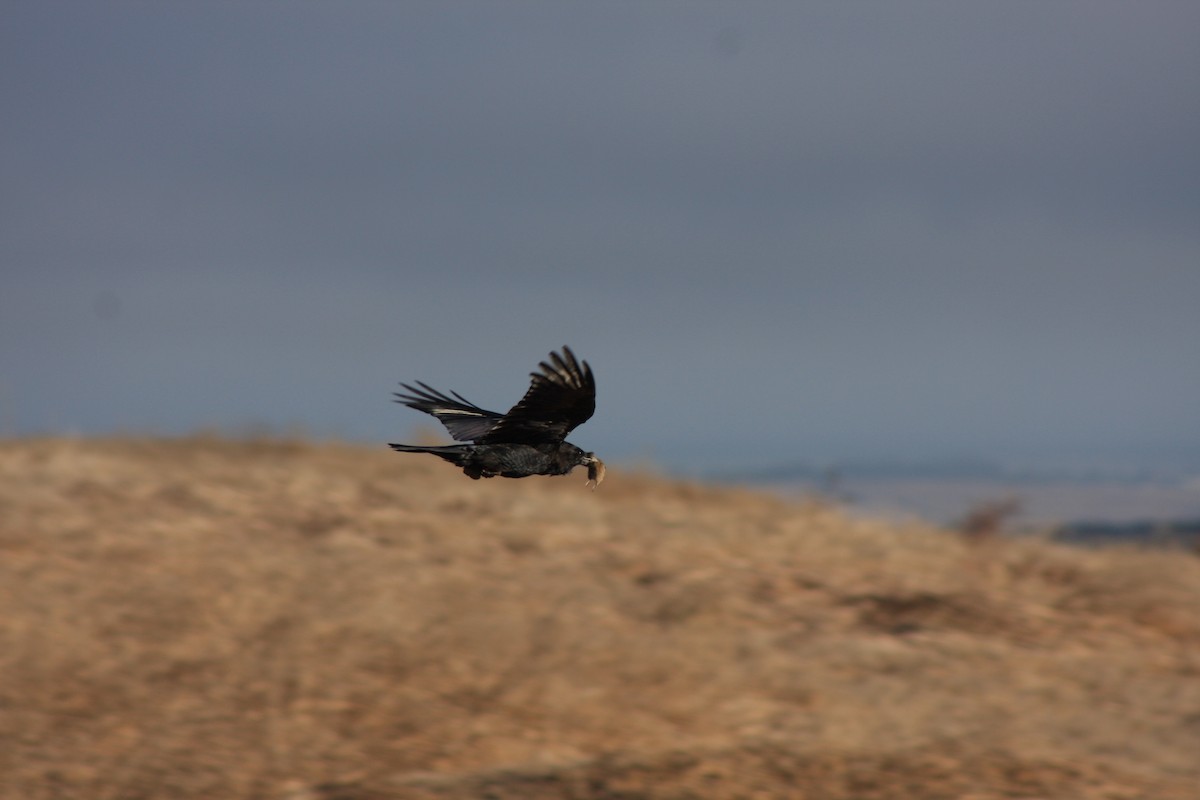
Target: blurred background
{"points": [[789, 239]]}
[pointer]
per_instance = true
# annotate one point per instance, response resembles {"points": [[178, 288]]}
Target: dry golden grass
{"points": [[280, 619]]}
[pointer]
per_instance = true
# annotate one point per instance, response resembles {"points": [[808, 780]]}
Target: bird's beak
{"points": [[595, 471]]}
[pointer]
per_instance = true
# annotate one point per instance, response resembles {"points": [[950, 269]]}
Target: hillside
{"points": [[206, 617]]}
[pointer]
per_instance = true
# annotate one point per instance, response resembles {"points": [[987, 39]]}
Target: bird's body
{"points": [[505, 460], [529, 439]]}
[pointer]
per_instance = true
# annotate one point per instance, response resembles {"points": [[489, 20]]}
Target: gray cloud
{"points": [[776, 230]]}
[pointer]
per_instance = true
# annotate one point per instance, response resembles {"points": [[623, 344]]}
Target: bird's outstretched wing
{"points": [[466, 421], [560, 397]]}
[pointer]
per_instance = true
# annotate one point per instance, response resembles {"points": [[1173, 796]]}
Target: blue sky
{"points": [[778, 231]]}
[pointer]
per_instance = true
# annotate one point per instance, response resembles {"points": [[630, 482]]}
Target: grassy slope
{"points": [[213, 618]]}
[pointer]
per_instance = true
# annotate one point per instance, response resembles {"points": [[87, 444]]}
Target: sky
{"points": [[778, 232]]}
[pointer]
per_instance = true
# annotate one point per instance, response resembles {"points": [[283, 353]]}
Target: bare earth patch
{"points": [[207, 617]]}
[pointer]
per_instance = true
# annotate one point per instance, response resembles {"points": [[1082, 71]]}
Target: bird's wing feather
{"points": [[466, 421], [560, 397]]}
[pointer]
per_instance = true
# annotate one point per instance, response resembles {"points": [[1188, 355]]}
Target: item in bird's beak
{"points": [[595, 473]]}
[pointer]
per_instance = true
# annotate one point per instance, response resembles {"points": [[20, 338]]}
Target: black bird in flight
{"points": [[529, 439]]}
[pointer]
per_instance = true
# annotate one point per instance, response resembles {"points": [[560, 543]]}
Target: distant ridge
{"points": [[960, 469]]}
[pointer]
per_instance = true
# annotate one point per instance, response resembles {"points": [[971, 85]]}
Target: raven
{"points": [[529, 439]]}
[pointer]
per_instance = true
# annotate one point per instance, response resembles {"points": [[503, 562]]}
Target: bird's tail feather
{"points": [[454, 453]]}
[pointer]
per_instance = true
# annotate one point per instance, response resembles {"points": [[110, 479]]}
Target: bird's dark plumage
{"points": [[530, 438]]}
